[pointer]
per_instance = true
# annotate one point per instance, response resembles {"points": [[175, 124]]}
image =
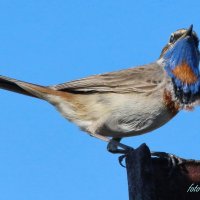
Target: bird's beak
{"points": [[189, 31]]}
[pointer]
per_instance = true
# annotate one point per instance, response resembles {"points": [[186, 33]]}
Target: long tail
{"points": [[18, 86], [33, 90]]}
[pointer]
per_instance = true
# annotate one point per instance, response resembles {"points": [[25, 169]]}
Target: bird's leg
{"points": [[113, 144]]}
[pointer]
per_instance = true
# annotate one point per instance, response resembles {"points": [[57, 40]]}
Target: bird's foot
{"points": [[113, 147], [114, 144], [173, 160]]}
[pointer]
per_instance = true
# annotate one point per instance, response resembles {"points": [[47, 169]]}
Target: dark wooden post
{"points": [[151, 178]]}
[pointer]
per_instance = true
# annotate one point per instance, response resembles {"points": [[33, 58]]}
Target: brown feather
{"points": [[139, 79], [11, 85]]}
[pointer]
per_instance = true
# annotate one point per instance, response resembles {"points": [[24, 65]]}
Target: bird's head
{"points": [[181, 60]]}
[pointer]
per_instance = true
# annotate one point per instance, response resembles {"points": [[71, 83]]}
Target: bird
{"points": [[128, 102]]}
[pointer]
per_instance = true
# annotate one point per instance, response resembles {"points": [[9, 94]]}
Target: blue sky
{"points": [[47, 42]]}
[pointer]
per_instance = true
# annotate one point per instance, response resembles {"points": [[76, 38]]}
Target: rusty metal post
{"points": [[151, 178]]}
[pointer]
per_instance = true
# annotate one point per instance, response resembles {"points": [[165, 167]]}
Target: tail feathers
{"points": [[33, 90], [16, 86]]}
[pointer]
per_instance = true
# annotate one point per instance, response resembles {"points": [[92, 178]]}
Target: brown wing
{"points": [[139, 79]]}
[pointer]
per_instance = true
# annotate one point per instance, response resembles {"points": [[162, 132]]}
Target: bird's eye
{"points": [[172, 38]]}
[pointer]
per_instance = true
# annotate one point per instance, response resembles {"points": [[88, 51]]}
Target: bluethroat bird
{"points": [[131, 101]]}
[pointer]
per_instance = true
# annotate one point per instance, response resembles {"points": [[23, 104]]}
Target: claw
{"points": [[120, 159], [173, 161], [113, 145]]}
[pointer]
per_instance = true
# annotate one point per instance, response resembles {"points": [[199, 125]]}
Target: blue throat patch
{"points": [[181, 64]]}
